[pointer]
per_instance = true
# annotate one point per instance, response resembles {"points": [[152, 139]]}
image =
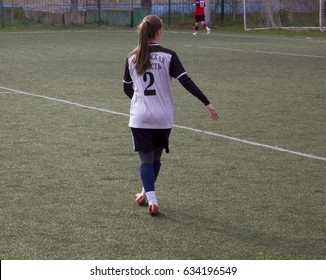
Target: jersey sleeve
{"points": [[127, 82], [190, 86], [176, 67], [177, 71]]}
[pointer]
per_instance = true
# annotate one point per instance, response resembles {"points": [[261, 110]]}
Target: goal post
{"points": [[284, 14]]}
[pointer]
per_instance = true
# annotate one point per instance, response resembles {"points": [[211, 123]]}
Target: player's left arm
{"points": [[190, 86], [177, 71]]}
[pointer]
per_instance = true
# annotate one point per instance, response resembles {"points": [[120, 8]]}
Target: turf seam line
{"points": [[274, 148]]}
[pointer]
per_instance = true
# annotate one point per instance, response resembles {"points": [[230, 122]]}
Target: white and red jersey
{"points": [[200, 7], [152, 103]]}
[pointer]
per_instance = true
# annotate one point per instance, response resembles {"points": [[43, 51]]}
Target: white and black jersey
{"points": [[152, 104]]}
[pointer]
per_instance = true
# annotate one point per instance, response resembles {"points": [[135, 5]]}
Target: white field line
{"points": [[256, 51], [267, 37], [64, 101], [274, 148]]}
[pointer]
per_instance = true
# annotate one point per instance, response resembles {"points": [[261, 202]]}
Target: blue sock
{"points": [[156, 168], [146, 171]]}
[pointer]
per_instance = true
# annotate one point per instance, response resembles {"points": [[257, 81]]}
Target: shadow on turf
{"points": [[280, 247]]}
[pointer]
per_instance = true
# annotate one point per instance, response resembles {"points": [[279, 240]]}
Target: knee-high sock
{"points": [[147, 176], [151, 197]]}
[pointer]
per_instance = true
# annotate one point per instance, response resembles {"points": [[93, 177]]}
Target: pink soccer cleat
{"points": [[140, 199], [153, 210]]}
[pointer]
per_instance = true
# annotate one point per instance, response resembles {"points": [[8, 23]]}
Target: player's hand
{"points": [[213, 112]]}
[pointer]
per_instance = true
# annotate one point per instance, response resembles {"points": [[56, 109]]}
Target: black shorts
{"points": [[200, 18], [149, 139]]}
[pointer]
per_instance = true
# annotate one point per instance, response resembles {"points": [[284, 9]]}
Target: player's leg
{"points": [[150, 145], [197, 22], [147, 176], [157, 161], [161, 142], [143, 144], [145, 159], [206, 26]]}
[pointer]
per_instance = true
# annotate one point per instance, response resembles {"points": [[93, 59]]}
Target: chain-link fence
{"points": [[174, 12]]}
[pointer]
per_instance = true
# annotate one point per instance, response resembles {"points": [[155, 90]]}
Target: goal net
{"points": [[284, 14]]}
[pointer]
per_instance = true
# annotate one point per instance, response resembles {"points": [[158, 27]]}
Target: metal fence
{"points": [[176, 12]]}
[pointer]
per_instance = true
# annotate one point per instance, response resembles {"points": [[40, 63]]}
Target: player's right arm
{"points": [[127, 82]]}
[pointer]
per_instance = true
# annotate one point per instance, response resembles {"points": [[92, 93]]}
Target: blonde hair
{"points": [[146, 32]]}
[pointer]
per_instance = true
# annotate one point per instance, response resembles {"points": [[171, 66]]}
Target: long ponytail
{"points": [[146, 32]]}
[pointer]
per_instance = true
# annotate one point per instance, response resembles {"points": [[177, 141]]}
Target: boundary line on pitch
{"points": [[318, 40], [274, 148], [260, 52]]}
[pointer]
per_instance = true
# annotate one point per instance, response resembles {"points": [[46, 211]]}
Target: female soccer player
{"points": [[147, 82], [200, 16]]}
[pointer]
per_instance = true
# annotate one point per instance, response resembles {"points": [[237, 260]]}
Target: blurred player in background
{"points": [[200, 16], [149, 71]]}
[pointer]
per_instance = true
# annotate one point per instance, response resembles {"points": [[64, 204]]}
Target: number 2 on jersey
{"points": [[148, 91]]}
